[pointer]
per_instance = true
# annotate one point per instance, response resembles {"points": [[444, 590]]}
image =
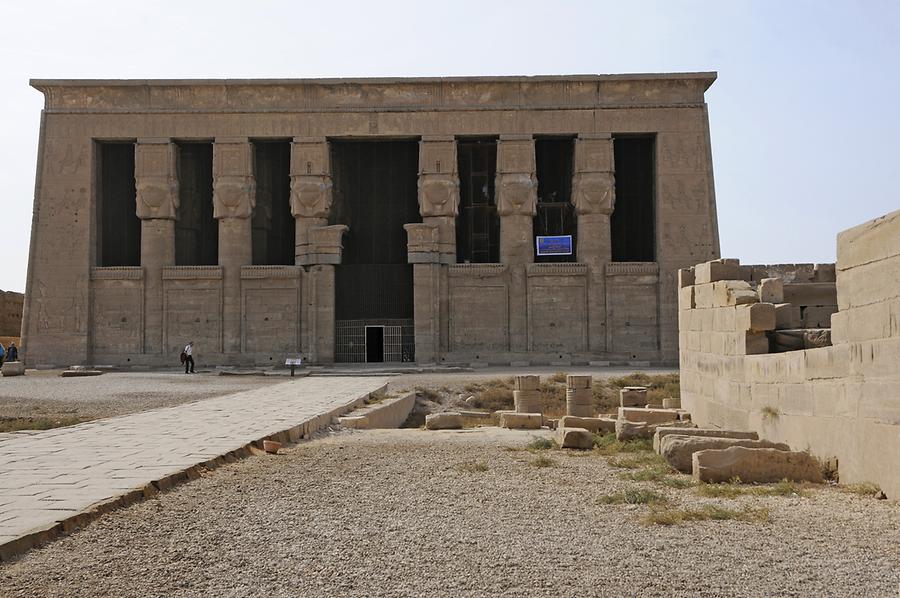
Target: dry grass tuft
{"points": [[472, 467], [863, 489], [666, 516], [769, 412], [16, 424], [733, 489], [634, 496], [558, 377], [606, 444], [494, 398], [543, 461], [428, 394], [541, 444]]}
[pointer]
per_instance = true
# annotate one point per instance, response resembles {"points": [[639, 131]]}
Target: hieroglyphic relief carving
{"points": [[594, 193], [234, 186], [156, 179]]}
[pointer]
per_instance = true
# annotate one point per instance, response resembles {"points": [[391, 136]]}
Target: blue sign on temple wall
{"points": [[560, 245]]}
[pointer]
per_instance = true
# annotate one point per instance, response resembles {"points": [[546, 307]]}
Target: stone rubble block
{"points": [[671, 403], [758, 317], [633, 396], [578, 382], [662, 432], [685, 277], [597, 425], [527, 382], [448, 420], [13, 368], [771, 290], [754, 465], [787, 316], [728, 293], [704, 296], [649, 416], [528, 401], [795, 340], [574, 438], [521, 421], [686, 298], [818, 316], [755, 343], [626, 430], [717, 270], [811, 293], [678, 449]]}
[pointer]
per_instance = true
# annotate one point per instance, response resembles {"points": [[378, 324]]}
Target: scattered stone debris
{"points": [[755, 465], [447, 420], [271, 446]]}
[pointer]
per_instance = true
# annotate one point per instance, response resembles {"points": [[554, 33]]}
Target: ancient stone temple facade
{"points": [[458, 220]]}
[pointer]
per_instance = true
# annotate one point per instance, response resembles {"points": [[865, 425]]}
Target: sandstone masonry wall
{"points": [[841, 402], [11, 313]]}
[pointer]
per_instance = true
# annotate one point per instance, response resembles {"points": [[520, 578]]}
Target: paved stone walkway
{"points": [[56, 480]]}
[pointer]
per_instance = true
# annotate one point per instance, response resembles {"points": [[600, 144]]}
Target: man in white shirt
{"points": [[189, 358]]}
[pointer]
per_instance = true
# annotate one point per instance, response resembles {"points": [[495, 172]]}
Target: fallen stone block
{"points": [[787, 316], [671, 403], [717, 270], [79, 373], [649, 416], [663, 431], [803, 338], [811, 293], [754, 465], [597, 425], [771, 290], [757, 317], [633, 396], [448, 420], [574, 438], [818, 316], [626, 430], [271, 446], [685, 277], [679, 449], [13, 368], [728, 293], [521, 421]]}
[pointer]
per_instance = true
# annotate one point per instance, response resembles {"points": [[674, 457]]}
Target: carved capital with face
{"points": [[234, 196], [157, 197], [594, 193], [310, 196], [516, 194], [438, 195]]}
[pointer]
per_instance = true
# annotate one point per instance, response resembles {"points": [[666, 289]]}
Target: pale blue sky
{"points": [[804, 115]]}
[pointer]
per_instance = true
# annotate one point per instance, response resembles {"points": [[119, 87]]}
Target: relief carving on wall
{"points": [[157, 197], [311, 196], [594, 193], [438, 195], [234, 196], [516, 194]]}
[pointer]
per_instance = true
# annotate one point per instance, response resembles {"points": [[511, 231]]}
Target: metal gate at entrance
{"points": [[375, 194]]}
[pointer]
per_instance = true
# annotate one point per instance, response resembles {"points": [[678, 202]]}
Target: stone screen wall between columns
{"points": [[196, 231], [118, 227]]}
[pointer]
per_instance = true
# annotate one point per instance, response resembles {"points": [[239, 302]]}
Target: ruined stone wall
{"points": [[841, 401], [238, 313]]}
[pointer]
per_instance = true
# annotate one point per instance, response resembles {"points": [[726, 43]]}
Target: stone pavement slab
{"points": [[57, 480]]}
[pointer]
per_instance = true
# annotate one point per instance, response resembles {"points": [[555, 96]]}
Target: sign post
{"points": [[558, 245]]}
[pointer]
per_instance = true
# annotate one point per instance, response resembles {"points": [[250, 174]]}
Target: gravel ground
{"points": [[42, 393], [391, 513]]}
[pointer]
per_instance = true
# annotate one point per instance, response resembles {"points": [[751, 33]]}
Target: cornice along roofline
{"points": [[373, 94]]}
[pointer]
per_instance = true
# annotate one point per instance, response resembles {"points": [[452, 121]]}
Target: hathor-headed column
{"points": [[594, 195], [156, 179], [433, 242], [234, 196], [325, 249], [310, 191], [516, 189]]}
